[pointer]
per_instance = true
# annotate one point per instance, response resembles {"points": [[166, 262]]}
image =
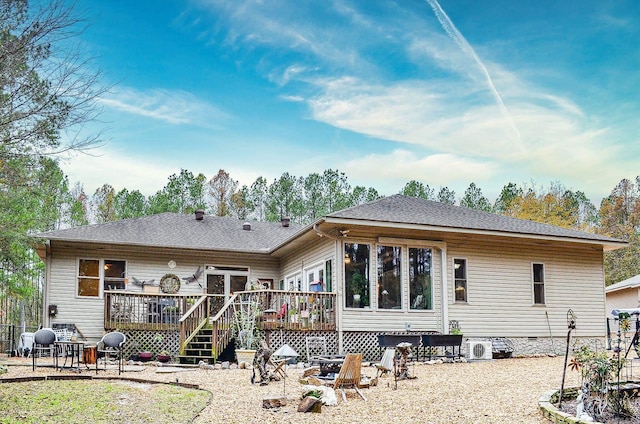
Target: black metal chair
{"points": [[44, 340], [111, 344]]}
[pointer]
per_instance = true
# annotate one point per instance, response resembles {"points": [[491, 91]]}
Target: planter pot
{"points": [[164, 358], [245, 355], [145, 356]]}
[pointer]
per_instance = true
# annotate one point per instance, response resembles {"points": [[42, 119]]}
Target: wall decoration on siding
{"points": [[170, 284], [171, 264], [142, 283], [194, 277]]}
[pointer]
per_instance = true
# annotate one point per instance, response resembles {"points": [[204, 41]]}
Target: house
{"points": [[623, 295], [397, 264]]}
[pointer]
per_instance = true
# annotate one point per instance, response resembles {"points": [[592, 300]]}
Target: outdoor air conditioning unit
{"points": [[479, 350]]}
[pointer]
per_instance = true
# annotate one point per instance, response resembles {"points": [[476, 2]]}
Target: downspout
{"points": [[339, 281], [46, 319], [445, 289]]}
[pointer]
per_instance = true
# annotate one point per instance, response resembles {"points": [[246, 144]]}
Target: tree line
{"points": [[306, 198]]}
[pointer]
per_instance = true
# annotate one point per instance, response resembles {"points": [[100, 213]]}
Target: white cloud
{"points": [[401, 166], [175, 107], [120, 170]]}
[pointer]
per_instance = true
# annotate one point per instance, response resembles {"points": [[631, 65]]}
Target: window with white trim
{"points": [[315, 278], [293, 282], [389, 277], [356, 275], [420, 282], [96, 275], [460, 279], [538, 283]]}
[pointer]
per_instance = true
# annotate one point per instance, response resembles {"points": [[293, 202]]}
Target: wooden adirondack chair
{"points": [[349, 375], [386, 363]]}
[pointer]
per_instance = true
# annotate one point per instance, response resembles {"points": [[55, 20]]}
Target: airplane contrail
{"points": [[459, 39]]}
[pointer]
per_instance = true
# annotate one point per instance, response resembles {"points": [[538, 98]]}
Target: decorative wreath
{"points": [[170, 284]]}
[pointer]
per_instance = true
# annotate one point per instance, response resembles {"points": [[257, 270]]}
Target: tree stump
{"points": [[310, 404], [274, 402]]}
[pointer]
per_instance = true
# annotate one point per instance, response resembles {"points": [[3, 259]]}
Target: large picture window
{"points": [[538, 284], [389, 281], [94, 273], [356, 275], [420, 282], [460, 279]]}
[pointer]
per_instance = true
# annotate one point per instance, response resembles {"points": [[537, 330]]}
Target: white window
{"points": [[357, 262], [420, 284], [389, 277], [96, 275], [460, 279], [315, 278], [538, 284], [293, 282]]}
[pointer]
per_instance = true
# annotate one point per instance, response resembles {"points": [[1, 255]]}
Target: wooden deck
{"points": [[303, 311]]}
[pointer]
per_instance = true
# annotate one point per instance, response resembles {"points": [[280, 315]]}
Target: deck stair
{"points": [[199, 348]]}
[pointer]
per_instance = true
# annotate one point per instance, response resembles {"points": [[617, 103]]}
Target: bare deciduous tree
{"points": [[47, 88]]}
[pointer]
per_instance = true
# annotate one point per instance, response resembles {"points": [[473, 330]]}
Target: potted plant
{"points": [[360, 290], [164, 356], [245, 329], [145, 356]]}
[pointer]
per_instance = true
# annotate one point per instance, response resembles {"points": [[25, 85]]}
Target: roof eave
{"points": [[181, 247], [301, 231], [607, 245]]}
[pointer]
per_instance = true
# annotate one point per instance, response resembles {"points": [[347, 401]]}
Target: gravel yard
{"points": [[499, 391]]}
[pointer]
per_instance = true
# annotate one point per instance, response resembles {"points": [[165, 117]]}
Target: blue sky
{"points": [[445, 92]]}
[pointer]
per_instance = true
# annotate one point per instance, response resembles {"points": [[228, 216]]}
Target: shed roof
{"points": [[629, 283]]}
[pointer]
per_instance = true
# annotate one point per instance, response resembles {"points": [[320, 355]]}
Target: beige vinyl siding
{"points": [[500, 289], [311, 255], [373, 319], [622, 299], [144, 264]]}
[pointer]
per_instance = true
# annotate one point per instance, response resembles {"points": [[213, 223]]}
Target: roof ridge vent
{"points": [[246, 226]]}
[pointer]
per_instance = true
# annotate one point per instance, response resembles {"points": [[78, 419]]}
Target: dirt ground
{"points": [[497, 391]]}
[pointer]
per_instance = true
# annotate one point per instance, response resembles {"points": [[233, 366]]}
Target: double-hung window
{"points": [[460, 279], [538, 284]]}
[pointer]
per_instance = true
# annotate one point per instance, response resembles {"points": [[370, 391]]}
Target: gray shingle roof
{"points": [[174, 230], [629, 283], [181, 231], [412, 210]]}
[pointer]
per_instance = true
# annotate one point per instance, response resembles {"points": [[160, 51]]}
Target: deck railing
{"points": [[188, 314], [147, 311], [285, 310], [290, 310]]}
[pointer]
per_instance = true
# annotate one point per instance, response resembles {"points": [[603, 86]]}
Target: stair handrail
{"points": [[222, 327], [192, 321], [198, 316]]}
